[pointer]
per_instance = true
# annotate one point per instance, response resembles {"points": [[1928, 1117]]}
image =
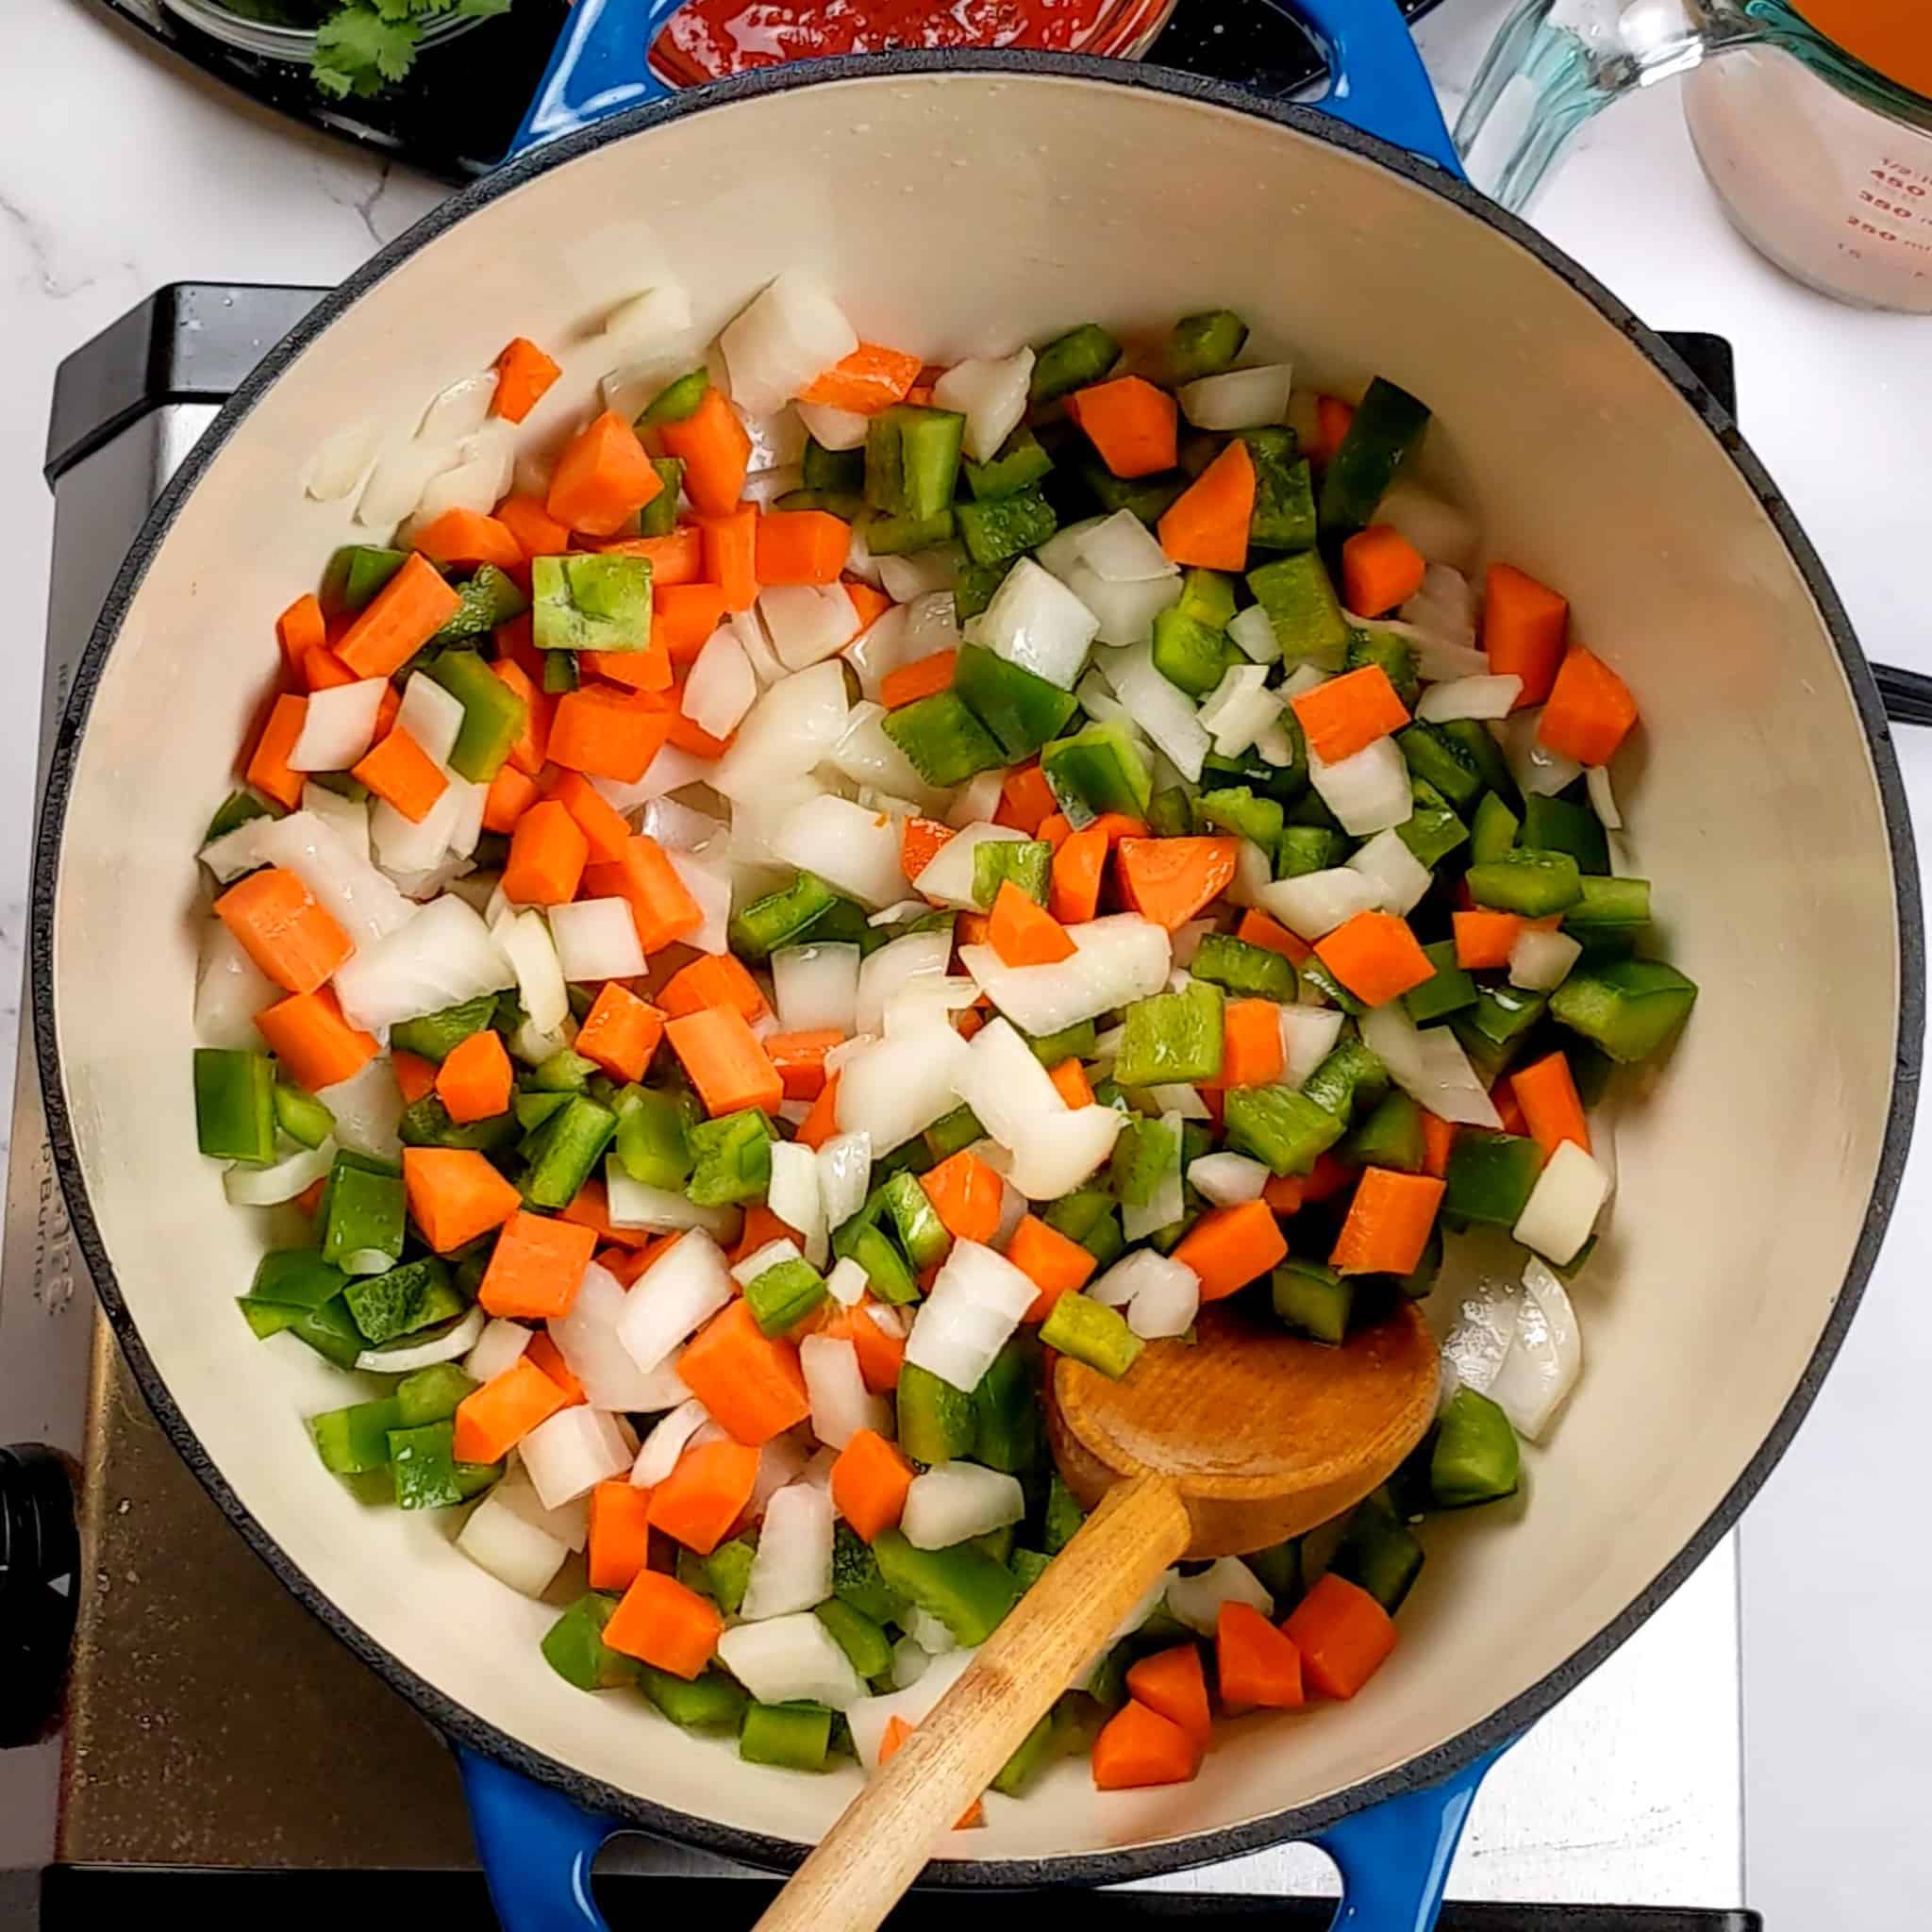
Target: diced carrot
{"points": [[1169, 880], [620, 1545], [1388, 1225], [465, 537], [686, 735], [1590, 711], [515, 643], [510, 795], [660, 904], [1054, 1264], [1251, 1050], [549, 1357], [1508, 1108], [1332, 419], [677, 557], [822, 1122], [715, 979], [881, 1352], [403, 774], [1524, 624], [716, 451], [1137, 1746], [310, 1199], [1173, 1683], [726, 1061], [704, 1496], [268, 769], [1343, 1634], [661, 1620], [683, 616], [321, 670], [1026, 800], [892, 1739], [1255, 1663], [649, 670], [604, 830], [868, 603], [1229, 1247], [607, 733], [492, 1420], [536, 1267], [1439, 1137], [870, 379], [919, 845], [603, 479], [1069, 1082], [1551, 1110], [801, 546], [532, 746], [414, 1076], [760, 1228], [301, 628], [316, 1046], [869, 1483], [1078, 866], [1381, 569], [1375, 956], [1348, 713], [398, 620], [1330, 1176], [1023, 933], [1131, 424], [1118, 825], [523, 373], [750, 1382], [621, 1032], [731, 538], [1485, 939], [1053, 828], [965, 1194], [1258, 929], [589, 1206], [546, 859], [279, 924], [533, 527], [474, 1080], [625, 1264], [921, 678], [1285, 1192], [800, 1058], [455, 1195], [1208, 524]]}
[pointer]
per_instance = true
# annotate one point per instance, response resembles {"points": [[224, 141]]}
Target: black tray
{"points": [[456, 113]]}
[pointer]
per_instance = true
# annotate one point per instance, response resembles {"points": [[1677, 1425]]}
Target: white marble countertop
{"points": [[121, 169]]}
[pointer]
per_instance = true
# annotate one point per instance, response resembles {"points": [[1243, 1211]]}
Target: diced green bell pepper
{"points": [[1490, 1179], [912, 459], [1170, 814], [973, 586], [945, 741], [886, 1271], [234, 812], [922, 1233], [1503, 1015], [867, 1647], [1149, 498], [1450, 990], [1205, 344], [1088, 1216], [234, 1104], [1284, 512], [487, 599], [329, 1328], [1207, 597], [1396, 655], [794, 1737], [1070, 361], [363, 1212], [432, 1394], [887, 536], [1317, 977], [731, 1158], [1391, 1136], [397, 1302], [658, 517], [1005, 1408], [784, 1295], [1146, 1152], [710, 1702], [1435, 759], [1018, 465], [1036, 1751], [952, 1131], [1432, 830], [564, 1071], [652, 1142], [1608, 906], [1280, 1127], [1062, 1519], [841, 472], [1075, 1043], [1473, 739], [1249, 971], [493, 715], [676, 401], [1028, 863], [1235, 808], [425, 1122], [295, 1278], [1379, 1553], [434, 1036], [1553, 825], [1312, 1299], [1348, 1081], [353, 1441], [598, 602], [1534, 884], [427, 1475], [1387, 424], [937, 1422], [574, 1647], [1099, 769], [1091, 1333], [355, 573], [857, 1581], [569, 1146], [1628, 1008], [1280, 1569], [301, 1116], [1187, 653], [1022, 710], [1492, 831], [1308, 848], [780, 917], [1476, 1457], [559, 672], [1171, 1036], [1302, 607], [963, 1588], [1003, 526]]}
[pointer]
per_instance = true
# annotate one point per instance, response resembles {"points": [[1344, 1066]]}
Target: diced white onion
{"points": [[368, 1107], [1276, 745], [432, 716], [722, 687], [793, 1196], [976, 1304], [920, 574], [790, 1659], [1118, 958], [525, 940], [1540, 961], [1444, 532], [587, 1340], [1197, 1601], [840, 1403], [794, 725], [1254, 873], [807, 622], [459, 410], [496, 1539], [1238, 399], [1251, 629], [340, 462], [478, 481], [1002, 1080], [395, 485], [1449, 1087], [909, 1663], [816, 986], [1181, 1097], [946, 878], [269, 1186], [871, 1717], [404, 1358], [1444, 606], [1240, 708], [1546, 1355], [1125, 611], [846, 1283], [868, 758], [1162, 710], [229, 989], [596, 938], [780, 1461], [709, 882], [1118, 1286], [569, 1522], [1312, 904], [347, 818], [1166, 1203], [659, 1453], [957, 1500], [1166, 1304], [679, 830], [792, 1570], [834, 429], [1036, 623], [412, 851], [896, 1088], [364, 904], [443, 956], [1561, 1211], [1307, 1038], [844, 1176], [500, 1346], [1602, 798], [672, 769], [975, 801], [791, 332], [338, 725], [680, 1290], [1053, 1154], [1470, 697], [1400, 878], [773, 1254], [635, 1203], [1121, 549], [992, 396], [1227, 1179], [848, 846], [1535, 767], [1477, 1340], [1368, 791], [571, 1452]]}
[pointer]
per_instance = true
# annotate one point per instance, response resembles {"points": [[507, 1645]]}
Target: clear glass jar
{"points": [[272, 40], [1822, 161]]}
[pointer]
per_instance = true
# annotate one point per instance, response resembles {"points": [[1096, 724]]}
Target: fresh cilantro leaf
{"points": [[357, 51]]}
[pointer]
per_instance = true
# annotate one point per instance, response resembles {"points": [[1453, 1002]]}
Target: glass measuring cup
{"points": [[1823, 161]]}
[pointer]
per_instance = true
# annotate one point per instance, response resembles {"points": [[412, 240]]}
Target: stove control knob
{"points": [[40, 1581]]}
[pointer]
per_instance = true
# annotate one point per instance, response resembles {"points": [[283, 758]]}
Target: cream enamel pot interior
{"points": [[959, 206]]}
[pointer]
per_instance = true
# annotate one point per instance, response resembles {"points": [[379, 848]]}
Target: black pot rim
{"points": [[1093, 1868]]}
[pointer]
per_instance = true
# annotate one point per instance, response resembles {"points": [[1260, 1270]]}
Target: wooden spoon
{"points": [[1215, 1449]]}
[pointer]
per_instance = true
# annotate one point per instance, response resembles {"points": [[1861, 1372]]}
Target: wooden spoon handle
{"points": [[865, 1862]]}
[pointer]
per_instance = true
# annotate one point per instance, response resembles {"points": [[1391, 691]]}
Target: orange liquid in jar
{"points": [[1891, 37]]}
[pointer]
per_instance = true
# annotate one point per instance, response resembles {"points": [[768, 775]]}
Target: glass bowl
{"points": [[293, 44]]}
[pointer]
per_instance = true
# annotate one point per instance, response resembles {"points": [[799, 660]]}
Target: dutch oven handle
{"points": [[537, 1846], [40, 1564]]}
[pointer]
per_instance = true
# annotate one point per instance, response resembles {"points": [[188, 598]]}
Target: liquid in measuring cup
{"points": [[1836, 194]]}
